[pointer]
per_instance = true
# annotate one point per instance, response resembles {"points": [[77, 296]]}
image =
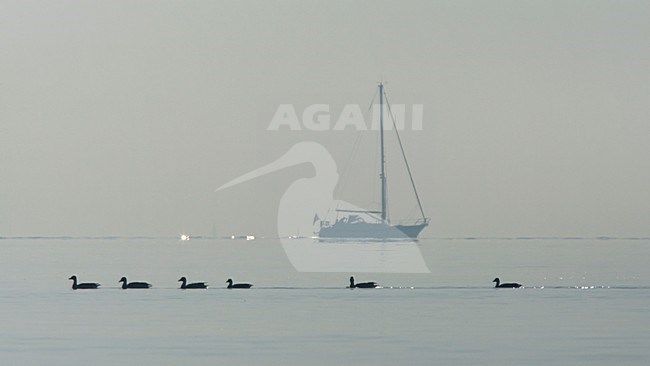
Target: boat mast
{"points": [[382, 176]]}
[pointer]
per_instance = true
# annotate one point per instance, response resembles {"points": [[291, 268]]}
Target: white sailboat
{"points": [[352, 223], [391, 248]]}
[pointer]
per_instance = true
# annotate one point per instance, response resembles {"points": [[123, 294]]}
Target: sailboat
{"points": [[353, 225]]}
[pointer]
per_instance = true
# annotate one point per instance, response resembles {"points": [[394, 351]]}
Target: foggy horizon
{"points": [[122, 118]]}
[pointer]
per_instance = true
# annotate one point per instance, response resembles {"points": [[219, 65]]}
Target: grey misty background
{"points": [[121, 118]]}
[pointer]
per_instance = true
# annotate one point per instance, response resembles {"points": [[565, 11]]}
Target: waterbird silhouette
{"points": [[505, 285], [82, 286], [315, 195], [185, 285], [363, 284], [238, 285], [126, 284]]}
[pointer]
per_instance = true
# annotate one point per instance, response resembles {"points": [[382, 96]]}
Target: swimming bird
{"points": [[363, 284], [185, 285], [126, 284], [82, 286], [505, 285], [238, 285]]}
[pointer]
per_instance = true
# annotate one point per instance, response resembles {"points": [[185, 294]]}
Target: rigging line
{"points": [[340, 188], [386, 175], [370, 111], [408, 168], [411, 214], [347, 167], [372, 101], [375, 186], [375, 169]]}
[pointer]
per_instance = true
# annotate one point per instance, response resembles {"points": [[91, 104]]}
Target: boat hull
{"points": [[371, 230]]}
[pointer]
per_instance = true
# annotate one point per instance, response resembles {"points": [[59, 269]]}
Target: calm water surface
{"points": [[586, 302]]}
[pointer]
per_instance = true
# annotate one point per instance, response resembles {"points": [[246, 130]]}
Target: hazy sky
{"points": [[122, 117]]}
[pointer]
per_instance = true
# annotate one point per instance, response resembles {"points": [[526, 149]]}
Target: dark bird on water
{"points": [[505, 285], [126, 284], [186, 285], [238, 285], [82, 286], [363, 284]]}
